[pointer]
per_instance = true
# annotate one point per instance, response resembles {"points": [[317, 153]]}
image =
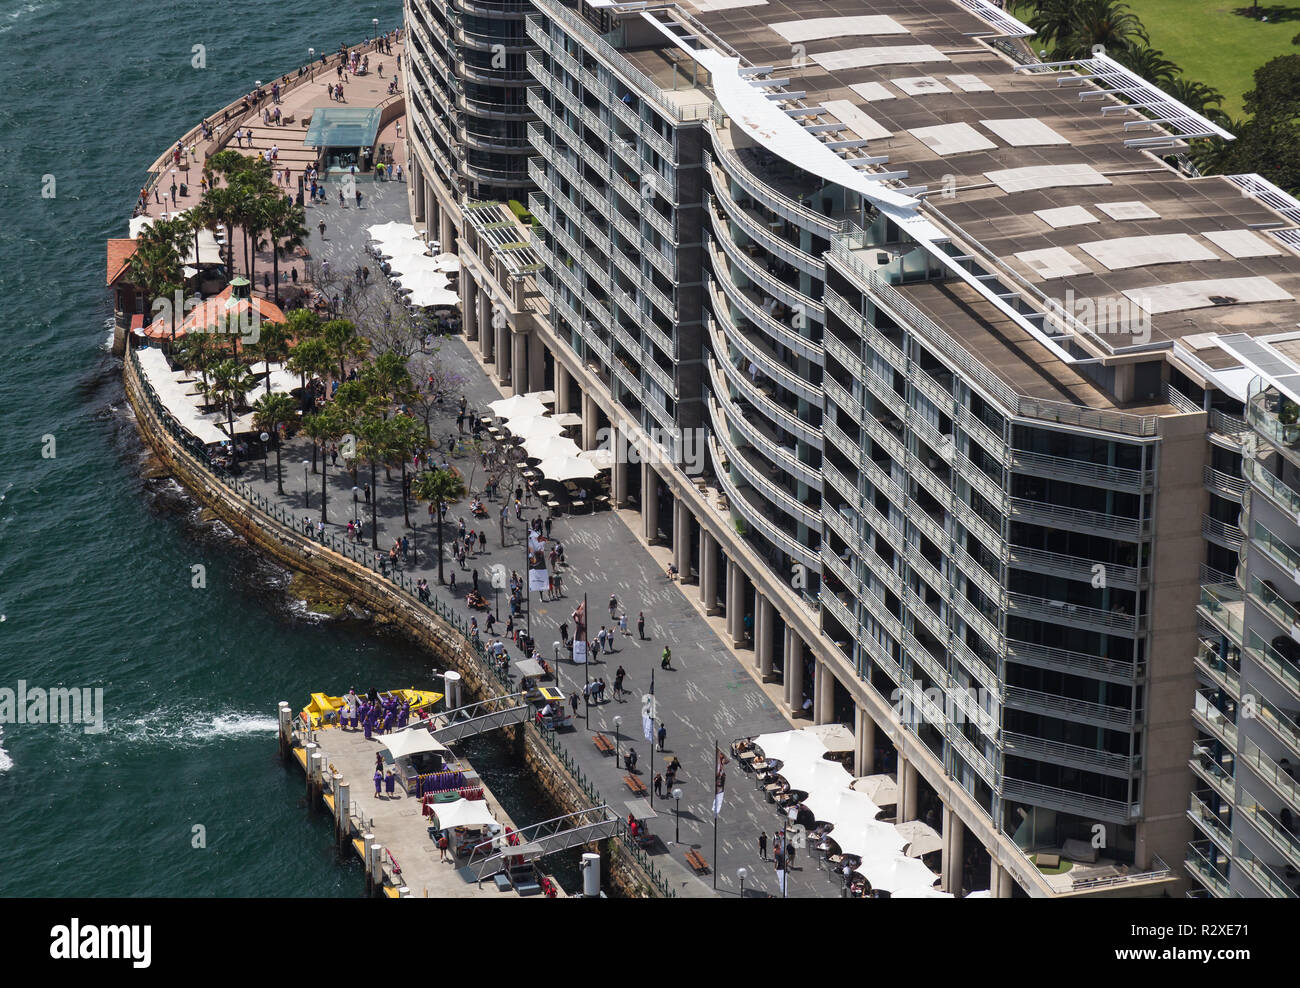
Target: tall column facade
{"points": [[590, 411], [864, 743], [794, 671], [682, 539], [505, 349], [446, 232], [823, 695], [536, 362], [469, 306], [764, 630], [708, 572], [519, 362], [563, 392], [953, 840], [907, 790], [649, 503], [618, 472]]}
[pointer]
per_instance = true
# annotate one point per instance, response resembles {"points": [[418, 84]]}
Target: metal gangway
{"points": [[479, 717], [540, 839]]}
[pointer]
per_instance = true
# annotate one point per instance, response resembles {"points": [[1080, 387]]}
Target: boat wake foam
{"points": [[195, 729], [6, 762]]}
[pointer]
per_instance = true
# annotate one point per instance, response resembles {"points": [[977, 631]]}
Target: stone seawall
{"points": [[557, 778]]}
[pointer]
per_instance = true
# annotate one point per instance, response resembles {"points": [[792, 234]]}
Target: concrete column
{"points": [[708, 572], [764, 629], [682, 539], [519, 362], [794, 670], [736, 604], [469, 307], [562, 389], [730, 597], [1005, 888], [907, 782], [446, 232], [536, 362], [505, 351], [589, 414], [649, 503], [618, 472], [864, 742], [823, 695], [953, 839]]}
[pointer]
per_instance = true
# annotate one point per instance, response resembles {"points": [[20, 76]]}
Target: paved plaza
{"points": [[710, 693]]}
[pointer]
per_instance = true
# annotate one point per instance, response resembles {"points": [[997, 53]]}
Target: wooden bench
{"points": [[603, 744], [635, 784], [696, 860]]}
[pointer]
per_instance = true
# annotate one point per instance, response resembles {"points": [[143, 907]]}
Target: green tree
{"points": [[196, 352], [156, 265], [440, 488], [230, 385], [270, 412], [405, 439], [1150, 64], [286, 229], [374, 446], [323, 427], [340, 336]]}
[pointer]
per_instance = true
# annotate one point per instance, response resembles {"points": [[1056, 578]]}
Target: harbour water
{"points": [[95, 561]]}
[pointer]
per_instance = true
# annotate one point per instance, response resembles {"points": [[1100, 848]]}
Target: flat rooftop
{"points": [[1022, 168]]}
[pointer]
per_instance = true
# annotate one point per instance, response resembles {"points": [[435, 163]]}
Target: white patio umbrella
{"points": [[545, 397], [603, 459], [544, 447], [520, 406], [920, 836], [426, 297], [536, 427], [448, 262], [567, 468], [880, 789], [567, 419], [391, 231]]}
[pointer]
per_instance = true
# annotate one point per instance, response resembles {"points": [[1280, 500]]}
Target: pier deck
{"points": [[396, 822]]}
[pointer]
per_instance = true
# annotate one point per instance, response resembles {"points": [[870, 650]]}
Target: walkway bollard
{"points": [[452, 680], [285, 714], [367, 844], [590, 876], [342, 811], [376, 869]]}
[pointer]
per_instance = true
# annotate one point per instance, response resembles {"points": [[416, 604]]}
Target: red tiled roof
{"points": [[119, 254], [211, 312]]}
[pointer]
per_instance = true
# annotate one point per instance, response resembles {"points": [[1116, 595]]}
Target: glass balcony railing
{"points": [[1223, 606], [1215, 720]]}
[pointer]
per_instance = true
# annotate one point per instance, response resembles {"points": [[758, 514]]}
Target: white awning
{"points": [[921, 838], [463, 813], [415, 740], [567, 468], [520, 406], [533, 427], [545, 447]]}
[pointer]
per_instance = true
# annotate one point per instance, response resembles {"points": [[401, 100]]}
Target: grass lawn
{"points": [[1213, 43]]}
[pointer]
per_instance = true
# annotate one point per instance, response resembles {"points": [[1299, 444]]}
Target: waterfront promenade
{"points": [[710, 695]]}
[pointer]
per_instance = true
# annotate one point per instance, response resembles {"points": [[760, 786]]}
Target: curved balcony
{"points": [[499, 145], [1077, 519], [756, 396], [1059, 612], [1272, 487], [754, 347], [755, 473], [492, 77], [506, 9], [730, 165], [750, 303], [490, 110], [762, 438], [758, 519], [755, 227], [759, 274], [487, 41]]}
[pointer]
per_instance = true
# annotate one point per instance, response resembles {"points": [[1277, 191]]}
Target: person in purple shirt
{"points": [[379, 776], [390, 783]]}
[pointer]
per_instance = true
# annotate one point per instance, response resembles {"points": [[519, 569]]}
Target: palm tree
{"points": [[157, 262], [287, 230], [230, 385], [1150, 64], [1197, 95], [340, 335], [387, 377], [439, 487], [373, 445], [1103, 22], [272, 411], [304, 324], [221, 206], [324, 427], [406, 439], [195, 351], [272, 345]]}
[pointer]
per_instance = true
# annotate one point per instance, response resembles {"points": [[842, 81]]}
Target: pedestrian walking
{"points": [[659, 784], [619, 676], [762, 845], [622, 623], [573, 702], [640, 619], [367, 490], [442, 846], [666, 661], [663, 734], [613, 607], [564, 632]]}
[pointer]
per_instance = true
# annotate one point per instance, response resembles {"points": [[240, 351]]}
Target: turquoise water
{"points": [[95, 578]]}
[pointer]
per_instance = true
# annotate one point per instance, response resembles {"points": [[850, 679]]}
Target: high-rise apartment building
{"points": [[920, 345]]}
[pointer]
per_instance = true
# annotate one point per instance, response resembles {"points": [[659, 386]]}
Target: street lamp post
{"points": [[618, 737], [264, 437], [555, 646], [742, 874], [677, 795], [306, 484], [354, 505]]}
